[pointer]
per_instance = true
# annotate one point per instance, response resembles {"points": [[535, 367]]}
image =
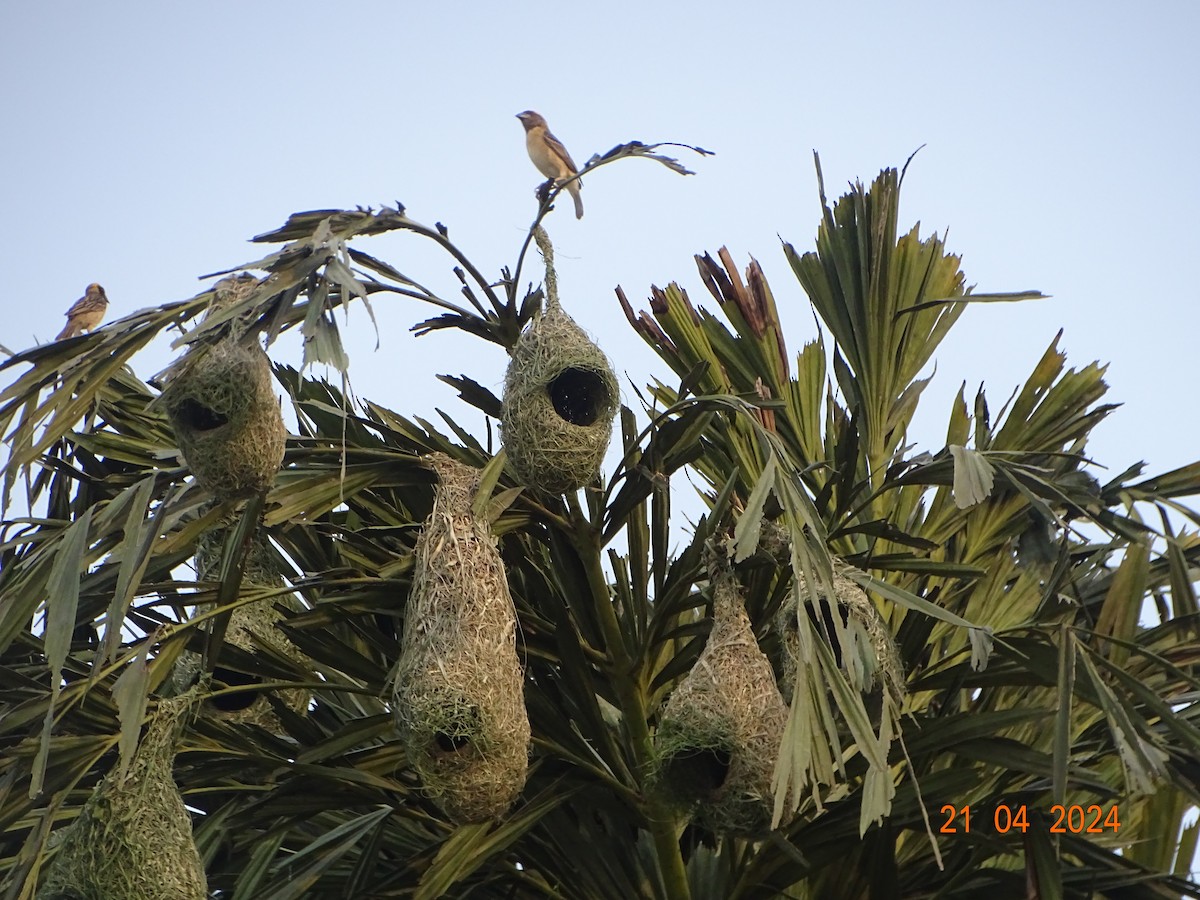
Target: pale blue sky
{"points": [[145, 142]]}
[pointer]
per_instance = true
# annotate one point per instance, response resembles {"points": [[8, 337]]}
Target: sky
{"points": [[146, 142]]}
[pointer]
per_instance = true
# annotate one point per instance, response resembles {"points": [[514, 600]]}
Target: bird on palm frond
{"points": [[85, 314]]}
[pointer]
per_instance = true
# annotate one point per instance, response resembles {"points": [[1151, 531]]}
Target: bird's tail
{"points": [[71, 329], [573, 187]]}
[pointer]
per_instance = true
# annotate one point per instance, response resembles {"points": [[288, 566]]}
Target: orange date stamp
{"points": [[1074, 819]]}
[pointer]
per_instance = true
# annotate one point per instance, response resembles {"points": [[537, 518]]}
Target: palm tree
{"points": [[989, 655]]}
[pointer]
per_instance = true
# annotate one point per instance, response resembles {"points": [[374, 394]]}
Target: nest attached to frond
{"points": [[229, 291], [226, 418], [260, 562], [133, 837], [719, 734], [560, 396], [776, 541], [250, 628], [459, 698], [863, 644]]}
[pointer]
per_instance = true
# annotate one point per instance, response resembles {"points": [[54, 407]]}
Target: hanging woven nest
{"points": [[719, 733], [459, 690], [226, 418], [560, 396], [862, 644], [133, 837], [250, 628]]}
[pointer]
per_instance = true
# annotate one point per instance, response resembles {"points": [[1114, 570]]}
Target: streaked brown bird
{"points": [[550, 156], [86, 312]]}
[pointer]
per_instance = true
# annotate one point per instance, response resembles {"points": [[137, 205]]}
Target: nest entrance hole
{"points": [[457, 736], [230, 678], [448, 744], [702, 769], [579, 395], [198, 417]]}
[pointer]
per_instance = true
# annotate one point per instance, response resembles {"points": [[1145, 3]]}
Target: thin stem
{"points": [[423, 295], [439, 238], [543, 209]]}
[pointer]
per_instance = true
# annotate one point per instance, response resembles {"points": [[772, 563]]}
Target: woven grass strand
{"points": [[869, 656], [224, 412], [560, 397], [250, 626], [133, 838], [458, 697], [720, 731]]}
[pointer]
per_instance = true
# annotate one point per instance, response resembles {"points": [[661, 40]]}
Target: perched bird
{"points": [[86, 312], [550, 156]]}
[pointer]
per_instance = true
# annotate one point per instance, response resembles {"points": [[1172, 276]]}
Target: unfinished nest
{"points": [[775, 541], [719, 733], [560, 396], [459, 690], [133, 837], [231, 290], [250, 628], [226, 418], [862, 644]]}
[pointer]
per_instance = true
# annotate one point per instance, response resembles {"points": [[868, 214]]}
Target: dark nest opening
{"points": [[450, 744], [230, 678], [462, 724], [579, 396], [198, 417], [699, 770]]}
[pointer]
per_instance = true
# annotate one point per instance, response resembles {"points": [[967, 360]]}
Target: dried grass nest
{"points": [[250, 626], [133, 838], [458, 695], [560, 397], [866, 651], [719, 734], [226, 418]]}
